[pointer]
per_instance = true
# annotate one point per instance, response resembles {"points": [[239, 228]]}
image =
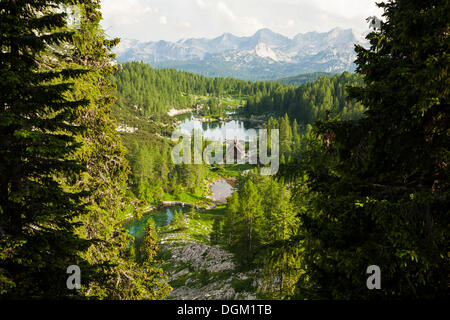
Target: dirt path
{"points": [[220, 190]]}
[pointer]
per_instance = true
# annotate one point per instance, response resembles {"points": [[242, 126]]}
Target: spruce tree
{"points": [[107, 169], [38, 140], [380, 195], [216, 234]]}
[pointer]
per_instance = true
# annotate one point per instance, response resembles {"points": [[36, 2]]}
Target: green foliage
{"points": [[309, 102], [149, 246], [376, 191], [104, 156], [153, 92], [154, 177], [38, 139], [179, 221], [259, 220], [216, 233], [63, 166], [244, 285]]}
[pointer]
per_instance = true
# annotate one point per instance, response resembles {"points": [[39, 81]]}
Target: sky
{"points": [[172, 20]]}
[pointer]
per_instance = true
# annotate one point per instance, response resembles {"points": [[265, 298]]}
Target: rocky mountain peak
{"points": [[264, 55]]}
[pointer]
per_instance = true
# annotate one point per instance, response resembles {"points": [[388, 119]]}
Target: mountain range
{"points": [[266, 55]]}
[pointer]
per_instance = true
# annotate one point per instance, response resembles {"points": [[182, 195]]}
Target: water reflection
{"points": [[217, 130], [161, 217]]}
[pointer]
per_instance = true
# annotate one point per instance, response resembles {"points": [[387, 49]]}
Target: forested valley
{"points": [[88, 178]]}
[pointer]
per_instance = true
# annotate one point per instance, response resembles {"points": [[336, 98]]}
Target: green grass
{"points": [[234, 170], [184, 197], [128, 210], [220, 210], [228, 170]]}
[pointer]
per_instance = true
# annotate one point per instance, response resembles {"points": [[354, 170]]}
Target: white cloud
{"points": [[163, 20], [201, 3], [185, 24], [241, 25], [225, 10], [151, 20]]}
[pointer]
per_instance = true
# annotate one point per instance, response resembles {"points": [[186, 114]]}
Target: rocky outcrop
{"points": [[201, 256], [201, 271]]}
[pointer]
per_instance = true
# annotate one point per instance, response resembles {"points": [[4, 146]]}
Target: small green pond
{"points": [[161, 216]]}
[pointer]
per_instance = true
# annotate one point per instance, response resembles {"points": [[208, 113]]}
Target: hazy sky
{"points": [[151, 20]]}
